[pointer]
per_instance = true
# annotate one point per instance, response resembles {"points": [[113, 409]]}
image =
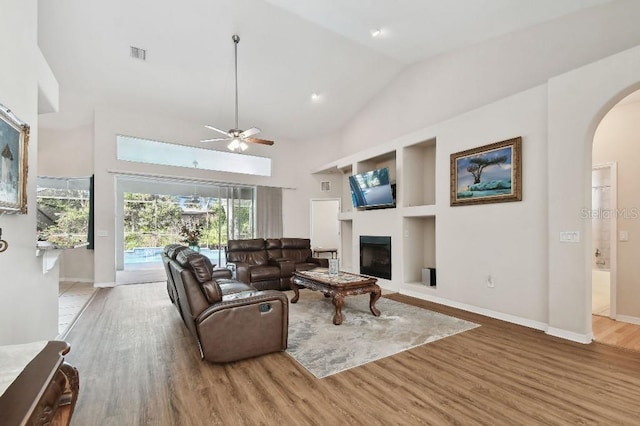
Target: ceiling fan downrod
{"points": [[236, 40]]}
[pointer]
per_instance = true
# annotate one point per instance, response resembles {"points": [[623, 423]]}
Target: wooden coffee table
{"points": [[337, 287]]}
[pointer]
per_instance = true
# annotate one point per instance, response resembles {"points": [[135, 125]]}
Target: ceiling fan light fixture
{"points": [[235, 144], [236, 136]]}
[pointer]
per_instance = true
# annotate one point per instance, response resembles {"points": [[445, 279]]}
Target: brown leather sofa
{"points": [[230, 320], [270, 264]]}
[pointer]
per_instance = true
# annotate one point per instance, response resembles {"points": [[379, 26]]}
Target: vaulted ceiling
{"points": [[289, 49]]}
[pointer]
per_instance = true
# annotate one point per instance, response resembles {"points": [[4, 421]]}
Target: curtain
{"points": [[90, 236], [268, 212]]}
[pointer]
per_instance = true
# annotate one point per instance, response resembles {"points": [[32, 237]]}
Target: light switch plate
{"points": [[570, 236]]}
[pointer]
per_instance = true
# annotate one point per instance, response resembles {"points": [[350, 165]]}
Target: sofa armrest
{"points": [[287, 266], [321, 262], [245, 325], [221, 273], [251, 297], [242, 271]]}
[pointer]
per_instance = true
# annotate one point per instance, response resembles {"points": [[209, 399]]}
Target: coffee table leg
{"points": [[338, 300], [296, 293], [373, 298]]}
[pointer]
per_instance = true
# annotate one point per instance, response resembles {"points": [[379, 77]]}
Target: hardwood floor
{"points": [[616, 333], [138, 365]]}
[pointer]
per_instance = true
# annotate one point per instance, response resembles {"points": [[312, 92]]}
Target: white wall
{"points": [[505, 240], [66, 153], [578, 100], [618, 139], [28, 306], [432, 91]]}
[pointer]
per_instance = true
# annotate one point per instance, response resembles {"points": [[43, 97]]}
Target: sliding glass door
{"points": [[156, 213]]}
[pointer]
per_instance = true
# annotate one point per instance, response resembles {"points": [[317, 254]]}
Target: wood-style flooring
{"points": [[139, 366], [616, 333]]}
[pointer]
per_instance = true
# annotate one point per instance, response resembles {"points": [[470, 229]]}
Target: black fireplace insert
{"points": [[375, 256]]}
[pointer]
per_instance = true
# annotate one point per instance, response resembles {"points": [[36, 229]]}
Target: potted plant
{"points": [[191, 232]]}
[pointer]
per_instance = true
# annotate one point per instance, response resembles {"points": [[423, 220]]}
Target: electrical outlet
{"points": [[490, 282]]}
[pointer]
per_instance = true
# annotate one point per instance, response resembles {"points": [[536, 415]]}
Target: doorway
{"points": [[154, 212], [325, 227], [603, 239]]}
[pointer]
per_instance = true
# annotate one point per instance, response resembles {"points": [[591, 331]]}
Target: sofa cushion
{"points": [[305, 266], [296, 249], [264, 273], [212, 291], [245, 245], [232, 286], [199, 264], [273, 247], [295, 243], [247, 251]]}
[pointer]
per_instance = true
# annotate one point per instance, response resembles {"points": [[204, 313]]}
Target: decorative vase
{"points": [[194, 247]]}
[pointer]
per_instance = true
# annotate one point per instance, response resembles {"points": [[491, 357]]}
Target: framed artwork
{"points": [[14, 139], [487, 174]]}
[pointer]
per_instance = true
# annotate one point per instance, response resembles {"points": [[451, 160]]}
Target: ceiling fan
{"points": [[238, 138]]}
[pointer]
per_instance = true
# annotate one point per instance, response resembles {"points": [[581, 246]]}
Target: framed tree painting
{"points": [[487, 174], [14, 139]]}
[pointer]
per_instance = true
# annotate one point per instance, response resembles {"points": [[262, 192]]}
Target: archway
{"points": [[577, 102], [616, 143]]}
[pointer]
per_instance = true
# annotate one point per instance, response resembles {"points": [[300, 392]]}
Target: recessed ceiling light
{"points": [[376, 32], [315, 96]]}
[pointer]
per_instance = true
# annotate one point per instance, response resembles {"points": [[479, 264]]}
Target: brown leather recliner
{"points": [[170, 252], [230, 320]]}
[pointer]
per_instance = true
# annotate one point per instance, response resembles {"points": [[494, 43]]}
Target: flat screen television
{"points": [[372, 189]]}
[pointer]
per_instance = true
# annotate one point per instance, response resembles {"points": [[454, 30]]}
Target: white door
{"points": [[325, 227]]}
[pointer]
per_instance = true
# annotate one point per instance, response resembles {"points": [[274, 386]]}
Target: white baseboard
{"points": [[477, 310], [626, 318], [537, 325], [570, 335], [76, 280], [103, 285]]}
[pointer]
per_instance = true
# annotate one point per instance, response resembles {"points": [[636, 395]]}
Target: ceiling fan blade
{"points": [[260, 141], [249, 132], [217, 130], [215, 140]]}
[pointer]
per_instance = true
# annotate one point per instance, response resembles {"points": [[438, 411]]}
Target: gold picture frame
{"points": [[14, 141], [487, 174]]}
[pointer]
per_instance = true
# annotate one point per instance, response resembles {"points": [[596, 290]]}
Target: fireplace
{"points": [[375, 256]]}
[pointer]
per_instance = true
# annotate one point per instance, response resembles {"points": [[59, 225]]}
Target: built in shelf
{"points": [[419, 211], [413, 221], [345, 216]]}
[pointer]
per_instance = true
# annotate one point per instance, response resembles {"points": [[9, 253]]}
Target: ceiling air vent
{"points": [[325, 186], [138, 53]]}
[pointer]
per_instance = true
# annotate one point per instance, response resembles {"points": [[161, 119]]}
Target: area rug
{"points": [[325, 349]]}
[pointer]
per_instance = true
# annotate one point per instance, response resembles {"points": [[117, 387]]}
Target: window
{"points": [[64, 206], [168, 154]]}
